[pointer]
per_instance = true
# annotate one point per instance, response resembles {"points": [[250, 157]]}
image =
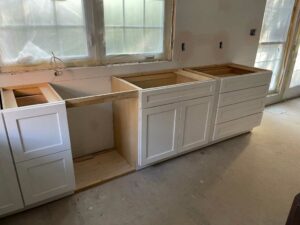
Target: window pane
{"points": [[38, 12], [70, 12], [11, 51], [134, 41], [134, 13], [155, 13], [114, 41], [44, 38], [142, 31], [154, 40], [273, 37], [113, 12], [50, 26], [269, 56], [72, 42], [296, 73], [11, 12], [276, 20]]}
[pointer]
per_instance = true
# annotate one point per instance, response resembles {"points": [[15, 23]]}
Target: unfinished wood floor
{"points": [[248, 180]]}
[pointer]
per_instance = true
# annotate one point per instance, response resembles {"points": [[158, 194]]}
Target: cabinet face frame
{"points": [[146, 113], [56, 115], [9, 187], [206, 105]]}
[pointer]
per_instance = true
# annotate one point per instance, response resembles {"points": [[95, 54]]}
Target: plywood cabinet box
{"points": [[37, 128], [241, 95], [175, 113]]}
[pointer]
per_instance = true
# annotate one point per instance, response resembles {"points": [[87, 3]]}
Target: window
{"points": [[273, 37], [84, 32], [32, 29]]}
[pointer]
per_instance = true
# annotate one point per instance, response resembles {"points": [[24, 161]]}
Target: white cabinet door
{"points": [[37, 131], [10, 195], [46, 177], [195, 122], [159, 133]]}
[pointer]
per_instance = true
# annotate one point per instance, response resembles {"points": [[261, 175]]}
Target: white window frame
{"points": [[95, 30]]}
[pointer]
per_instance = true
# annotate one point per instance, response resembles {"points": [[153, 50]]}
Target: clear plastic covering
{"points": [[30, 30], [33, 31]]}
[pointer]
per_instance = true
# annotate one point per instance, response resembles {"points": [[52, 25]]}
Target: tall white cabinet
{"points": [[10, 194]]}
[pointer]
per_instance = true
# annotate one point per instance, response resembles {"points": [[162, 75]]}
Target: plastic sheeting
{"points": [[30, 30]]}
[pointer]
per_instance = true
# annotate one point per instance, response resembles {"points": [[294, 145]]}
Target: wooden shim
{"points": [[97, 99]]}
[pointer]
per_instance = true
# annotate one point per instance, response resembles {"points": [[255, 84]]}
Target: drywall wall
{"points": [[201, 24]]}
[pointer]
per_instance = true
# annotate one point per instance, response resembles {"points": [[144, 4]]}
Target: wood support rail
{"points": [[97, 99]]}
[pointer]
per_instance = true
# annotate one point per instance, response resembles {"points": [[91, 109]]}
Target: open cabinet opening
{"points": [[29, 96], [14, 97], [96, 168], [158, 80], [223, 70]]}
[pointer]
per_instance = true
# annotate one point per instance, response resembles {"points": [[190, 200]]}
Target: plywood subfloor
{"points": [[98, 168]]}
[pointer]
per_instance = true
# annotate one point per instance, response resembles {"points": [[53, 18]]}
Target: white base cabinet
{"points": [[10, 195], [171, 129], [241, 95], [40, 145], [46, 177]]}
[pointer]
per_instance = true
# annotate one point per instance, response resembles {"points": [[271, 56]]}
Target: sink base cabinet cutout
{"points": [[10, 195], [46, 177], [171, 129], [37, 131], [159, 133]]}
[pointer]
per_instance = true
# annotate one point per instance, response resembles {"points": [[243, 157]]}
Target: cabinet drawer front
{"points": [[151, 98], [242, 95], [10, 195], [238, 126], [46, 177], [37, 131], [245, 81], [236, 111], [159, 133]]}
